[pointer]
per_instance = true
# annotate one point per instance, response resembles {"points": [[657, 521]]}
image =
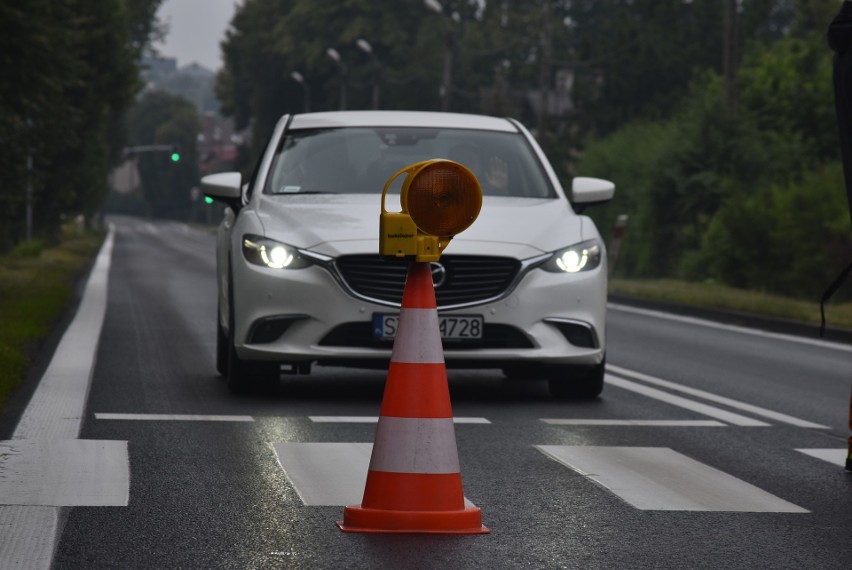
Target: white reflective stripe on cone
{"points": [[418, 338], [415, 445]]}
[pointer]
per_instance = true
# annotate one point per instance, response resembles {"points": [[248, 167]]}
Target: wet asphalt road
{"points": [[213, 494]]}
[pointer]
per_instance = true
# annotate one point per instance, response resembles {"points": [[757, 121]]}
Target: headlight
{"points": [[273, 254], [583, 256]]}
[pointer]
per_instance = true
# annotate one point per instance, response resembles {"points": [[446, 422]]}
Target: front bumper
{"points": [[538, 318]]}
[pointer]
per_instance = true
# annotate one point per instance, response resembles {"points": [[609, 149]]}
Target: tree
{"points": [[69, 69], [163, 119]]}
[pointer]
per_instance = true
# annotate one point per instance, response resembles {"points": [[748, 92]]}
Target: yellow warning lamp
{"points": [[439, 199]]}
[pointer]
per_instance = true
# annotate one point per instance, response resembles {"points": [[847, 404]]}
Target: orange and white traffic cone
{"points": [[414, 483]]}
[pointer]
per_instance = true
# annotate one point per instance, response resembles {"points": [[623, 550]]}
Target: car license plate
{"points": [[452, 327]]}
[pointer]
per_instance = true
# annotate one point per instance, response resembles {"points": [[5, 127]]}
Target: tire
{"points": [[572, 382], [221, 349]]}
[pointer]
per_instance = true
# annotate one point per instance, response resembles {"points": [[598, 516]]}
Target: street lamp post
{"points": [[334, 55], [300, 79], [365, 46]]}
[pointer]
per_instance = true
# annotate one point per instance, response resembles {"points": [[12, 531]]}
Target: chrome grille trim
{"points": [[525, 266]]}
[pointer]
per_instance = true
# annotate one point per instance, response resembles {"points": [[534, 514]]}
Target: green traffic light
{"points": [[175, 157], [208, 200]]}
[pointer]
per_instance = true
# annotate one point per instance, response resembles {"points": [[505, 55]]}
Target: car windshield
{"points": [[361, 160]]}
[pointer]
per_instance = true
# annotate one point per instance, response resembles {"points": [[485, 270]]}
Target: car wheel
{"points": [[221, 349], [577, 382]]}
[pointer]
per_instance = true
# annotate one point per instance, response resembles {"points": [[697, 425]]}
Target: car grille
{"points": [[469, 278]]}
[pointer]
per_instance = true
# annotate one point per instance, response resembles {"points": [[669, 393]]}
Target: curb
{"points": [[739, 318]]}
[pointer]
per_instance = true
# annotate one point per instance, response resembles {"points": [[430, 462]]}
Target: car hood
{"points": [[336, 224]]}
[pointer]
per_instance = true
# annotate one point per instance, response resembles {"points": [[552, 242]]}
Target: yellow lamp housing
{"points": [[439, 199]]}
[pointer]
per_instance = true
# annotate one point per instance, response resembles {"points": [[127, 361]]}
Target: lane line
{"points": [[704, 409], [661, 479], [55, 410], [375, 419], [28, 534], [756, 410], [730, 328], [836, 456], [651, 423], [173, 417]]}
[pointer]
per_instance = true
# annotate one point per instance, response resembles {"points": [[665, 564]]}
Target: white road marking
{"points": [[56, 408], [731, 328], [30, 550], [173, 417], [698, 407], [28, 534], [64, 473], [756, 410], [375, 419], [652, 423], [327, 474], [835, 456], [661, 479]]}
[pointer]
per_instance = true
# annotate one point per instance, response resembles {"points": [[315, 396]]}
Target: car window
{"points": [[361, 160]]}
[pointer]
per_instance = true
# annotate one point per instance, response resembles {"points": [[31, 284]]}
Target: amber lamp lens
{"points": [[444, 199]]}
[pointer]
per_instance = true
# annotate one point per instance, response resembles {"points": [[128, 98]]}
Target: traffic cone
{"points": [[414, 483]]}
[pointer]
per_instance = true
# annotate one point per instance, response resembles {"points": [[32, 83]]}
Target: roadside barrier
{"points": [[414, 482]]}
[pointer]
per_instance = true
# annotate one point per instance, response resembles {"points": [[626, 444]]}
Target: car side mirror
{"points": [[587, 192], [224, 187]]}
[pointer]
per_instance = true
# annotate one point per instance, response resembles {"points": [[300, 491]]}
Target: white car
{"points": [[301, 281]]}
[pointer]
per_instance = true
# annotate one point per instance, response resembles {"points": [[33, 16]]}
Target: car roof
{"points": [[332, 119]]}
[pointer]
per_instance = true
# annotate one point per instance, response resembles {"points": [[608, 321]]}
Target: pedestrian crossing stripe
{"points": [[647, 478], [836, 456], [64, 473], [661, 479], [327, 474]]}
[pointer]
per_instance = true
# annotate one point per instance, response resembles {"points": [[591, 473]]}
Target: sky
{"points": [[196, 27]]}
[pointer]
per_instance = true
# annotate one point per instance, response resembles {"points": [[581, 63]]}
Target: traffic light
{"points": [[174, 155]]}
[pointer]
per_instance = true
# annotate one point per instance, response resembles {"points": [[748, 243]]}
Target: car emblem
{"points": [[439, 274]]}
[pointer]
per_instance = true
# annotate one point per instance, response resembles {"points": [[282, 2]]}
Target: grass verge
{"points": [[36, 285], [715, 296]]}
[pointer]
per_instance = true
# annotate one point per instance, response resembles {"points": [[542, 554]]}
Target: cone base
{"points": [[359, 519]]}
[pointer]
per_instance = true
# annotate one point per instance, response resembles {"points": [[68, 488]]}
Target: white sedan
{"points": [[301, 282]]}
